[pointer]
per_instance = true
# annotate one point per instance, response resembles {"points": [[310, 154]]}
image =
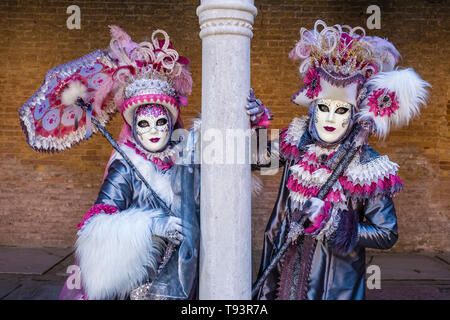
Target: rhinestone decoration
{"points": [[149, 86]]}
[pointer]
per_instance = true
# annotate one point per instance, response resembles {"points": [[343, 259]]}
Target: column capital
{"points": [[226, 17]]}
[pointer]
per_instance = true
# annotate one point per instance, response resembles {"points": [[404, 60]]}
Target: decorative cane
{"points": [[359, 135]]}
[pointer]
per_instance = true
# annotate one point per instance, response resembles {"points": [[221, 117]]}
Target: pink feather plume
{"points": [[122, 38], [102, 93], [183, 83], [118, 34], [293, 54]]}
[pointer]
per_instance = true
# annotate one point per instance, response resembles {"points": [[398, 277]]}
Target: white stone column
{"points": [[225, 250]]}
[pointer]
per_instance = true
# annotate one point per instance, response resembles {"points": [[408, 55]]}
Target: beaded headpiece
{"points": [[342, 63], [150, 72]]}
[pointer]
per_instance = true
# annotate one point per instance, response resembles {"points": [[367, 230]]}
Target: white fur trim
{"points": [[74, 91], [114, 252], [296, 129], [410, 90]]}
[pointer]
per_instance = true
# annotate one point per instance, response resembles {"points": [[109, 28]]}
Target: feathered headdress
{"points": [[342, 63], [148, 72]]}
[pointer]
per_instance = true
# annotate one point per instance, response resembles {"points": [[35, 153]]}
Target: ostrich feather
{"points": [[74, 91], [410, 91]]}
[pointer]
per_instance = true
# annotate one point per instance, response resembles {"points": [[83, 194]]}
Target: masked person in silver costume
{"points": [[128, 246]]}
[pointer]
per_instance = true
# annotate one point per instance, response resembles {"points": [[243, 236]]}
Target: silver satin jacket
{"points": [[122, 188]]}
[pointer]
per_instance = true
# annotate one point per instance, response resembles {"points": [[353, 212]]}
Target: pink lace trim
{"points": [[160, 164], [313, 163], [296, 186], [288, 151], [382, 184], [97, 209], [387, 186], [310, 167]]}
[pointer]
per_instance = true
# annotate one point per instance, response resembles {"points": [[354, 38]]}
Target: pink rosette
{"points": [[383, 102], [312, 82]]}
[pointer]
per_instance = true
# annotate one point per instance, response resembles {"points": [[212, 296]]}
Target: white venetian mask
{"points": [[332, 119], [153, 127]]}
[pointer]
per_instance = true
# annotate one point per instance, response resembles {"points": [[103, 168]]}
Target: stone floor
{"points": [[39, 273]]}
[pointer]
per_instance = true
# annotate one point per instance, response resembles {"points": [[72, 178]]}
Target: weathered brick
{"points": [[43, 196]]}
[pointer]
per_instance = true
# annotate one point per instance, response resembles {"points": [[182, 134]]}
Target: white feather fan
{"points": [[393, 98]]}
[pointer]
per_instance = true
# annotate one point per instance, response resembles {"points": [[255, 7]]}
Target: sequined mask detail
{"points": [[153, 127], [154, 110]]}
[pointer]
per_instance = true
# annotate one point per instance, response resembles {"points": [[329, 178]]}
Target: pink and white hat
{"points": [[151, 88], [337, 60], [151, 72], [342, 63]]}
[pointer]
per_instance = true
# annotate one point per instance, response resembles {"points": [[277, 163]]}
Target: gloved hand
{"points": [[313, 208], [169, 228], [365, 132], [259, 114], [311, 217]]}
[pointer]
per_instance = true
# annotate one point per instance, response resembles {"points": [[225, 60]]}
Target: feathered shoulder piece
{"points": [[290, 138], [371, 176], [368, 176]]}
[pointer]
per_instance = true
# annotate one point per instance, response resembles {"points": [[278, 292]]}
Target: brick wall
{"points": [[43, 197]]}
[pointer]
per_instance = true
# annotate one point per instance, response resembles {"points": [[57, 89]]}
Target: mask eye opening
{"points": [[161, 122], [341, 110], [323, 107], [143, 123]]}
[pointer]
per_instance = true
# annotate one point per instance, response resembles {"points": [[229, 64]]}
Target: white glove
{"points": [[169, 228]]}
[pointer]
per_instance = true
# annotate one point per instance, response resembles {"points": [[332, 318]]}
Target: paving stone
{"points": [[60, 269], [36, 290], [412, 290], [445, 257], [30, 260], [404, 276], [7, 286], [410, 267]]}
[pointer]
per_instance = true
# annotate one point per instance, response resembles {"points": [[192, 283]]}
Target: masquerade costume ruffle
{"points": [[128, 239], [358, 213], [344, 72]]}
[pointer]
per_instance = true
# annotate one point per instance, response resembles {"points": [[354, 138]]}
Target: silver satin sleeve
{"points": [[379, 228], [117, 189], [122, 189]]}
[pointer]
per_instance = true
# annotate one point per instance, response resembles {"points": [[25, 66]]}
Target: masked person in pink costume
{"points": [[129, 247], [348, 78]]}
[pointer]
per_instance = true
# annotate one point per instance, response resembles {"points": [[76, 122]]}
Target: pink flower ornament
{"points": [[312, 82], [383, 102]]}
